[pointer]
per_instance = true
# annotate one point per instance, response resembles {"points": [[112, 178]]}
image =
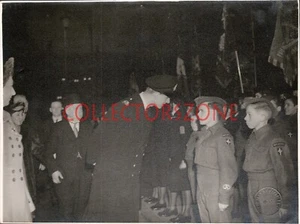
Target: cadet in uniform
{"points": [[117, 147], [267, 163], [215, 162]]}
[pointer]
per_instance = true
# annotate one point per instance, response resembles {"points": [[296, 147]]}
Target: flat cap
{"points": [[72, 98], [162, 83], [263, 100]]}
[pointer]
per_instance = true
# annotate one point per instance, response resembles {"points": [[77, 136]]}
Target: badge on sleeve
{"points": [[182, 130], [228, 141], [226, 187]]}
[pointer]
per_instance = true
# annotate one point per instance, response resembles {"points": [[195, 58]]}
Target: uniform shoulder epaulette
{"points": [[279, 144], [226, 135]]}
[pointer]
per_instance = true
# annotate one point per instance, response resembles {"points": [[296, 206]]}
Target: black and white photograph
{"points": [[149, 111]]}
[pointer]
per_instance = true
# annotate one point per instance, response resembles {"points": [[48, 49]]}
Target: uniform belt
{"points": [[268, 175]]}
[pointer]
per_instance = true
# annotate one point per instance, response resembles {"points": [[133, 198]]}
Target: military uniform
{"points": [[216, 173], [117, 146], [268, 164]]}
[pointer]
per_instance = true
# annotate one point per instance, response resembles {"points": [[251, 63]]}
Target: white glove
{"points": [[222, 207], [182, 165], [42, 167], [55, 177]]}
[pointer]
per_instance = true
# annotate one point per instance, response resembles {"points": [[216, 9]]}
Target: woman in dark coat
{"points": [[176, 137], [159, 144]]}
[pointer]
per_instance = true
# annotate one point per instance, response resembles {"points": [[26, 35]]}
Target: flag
{"points": [[284, 48]]}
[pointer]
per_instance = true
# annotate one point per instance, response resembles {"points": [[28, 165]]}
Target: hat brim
{"points": [[210, 99], [162, 83]]}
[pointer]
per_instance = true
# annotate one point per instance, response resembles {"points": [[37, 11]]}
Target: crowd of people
{"points": [[221, 159]]}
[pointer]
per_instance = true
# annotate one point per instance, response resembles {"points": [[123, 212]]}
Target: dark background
{"points": [[108, 41]]}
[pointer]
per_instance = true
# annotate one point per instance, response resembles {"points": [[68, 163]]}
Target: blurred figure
{"points": [[291, 119], [190, 155], [17, 202]]}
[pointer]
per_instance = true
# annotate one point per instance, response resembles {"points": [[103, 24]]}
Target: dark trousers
{"points": [[116, 201], [73, 193]]}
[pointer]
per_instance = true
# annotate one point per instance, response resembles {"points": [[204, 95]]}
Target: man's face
{"points": [[74, 111], [205, 114], [258, 95], [160, 99], [56, 108], [253, 117], [18, 117], [289, 107]]}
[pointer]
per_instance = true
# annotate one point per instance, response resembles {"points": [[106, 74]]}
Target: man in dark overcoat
{"points": [[65, 160], [117, 148]]}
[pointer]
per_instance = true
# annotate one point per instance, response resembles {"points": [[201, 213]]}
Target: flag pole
{"points": [[254, 50], [239, 70]]}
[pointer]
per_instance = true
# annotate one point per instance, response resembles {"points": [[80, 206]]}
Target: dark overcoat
{"points": [[117, 147], [73, 191]]}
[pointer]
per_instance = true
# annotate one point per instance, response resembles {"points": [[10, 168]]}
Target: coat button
{"points": [[14, 179], [20, 170], [132, 175], [17, 139], [13, 155], [19, 146], [13, 171], [9, 138], [12, 146], [136, 155], [134, 165], [20, 154], [21, 178]]}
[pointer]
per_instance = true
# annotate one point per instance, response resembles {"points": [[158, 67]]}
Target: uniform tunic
{"points": [[117, 147], [17, 202], [268, 164], [216, 172]]}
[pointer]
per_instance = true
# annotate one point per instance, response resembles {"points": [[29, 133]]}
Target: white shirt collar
{"points": [[56, 119], [144, 100], [76, 124]]}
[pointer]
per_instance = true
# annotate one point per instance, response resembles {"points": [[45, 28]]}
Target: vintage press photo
{"points": [[149, 111]]}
